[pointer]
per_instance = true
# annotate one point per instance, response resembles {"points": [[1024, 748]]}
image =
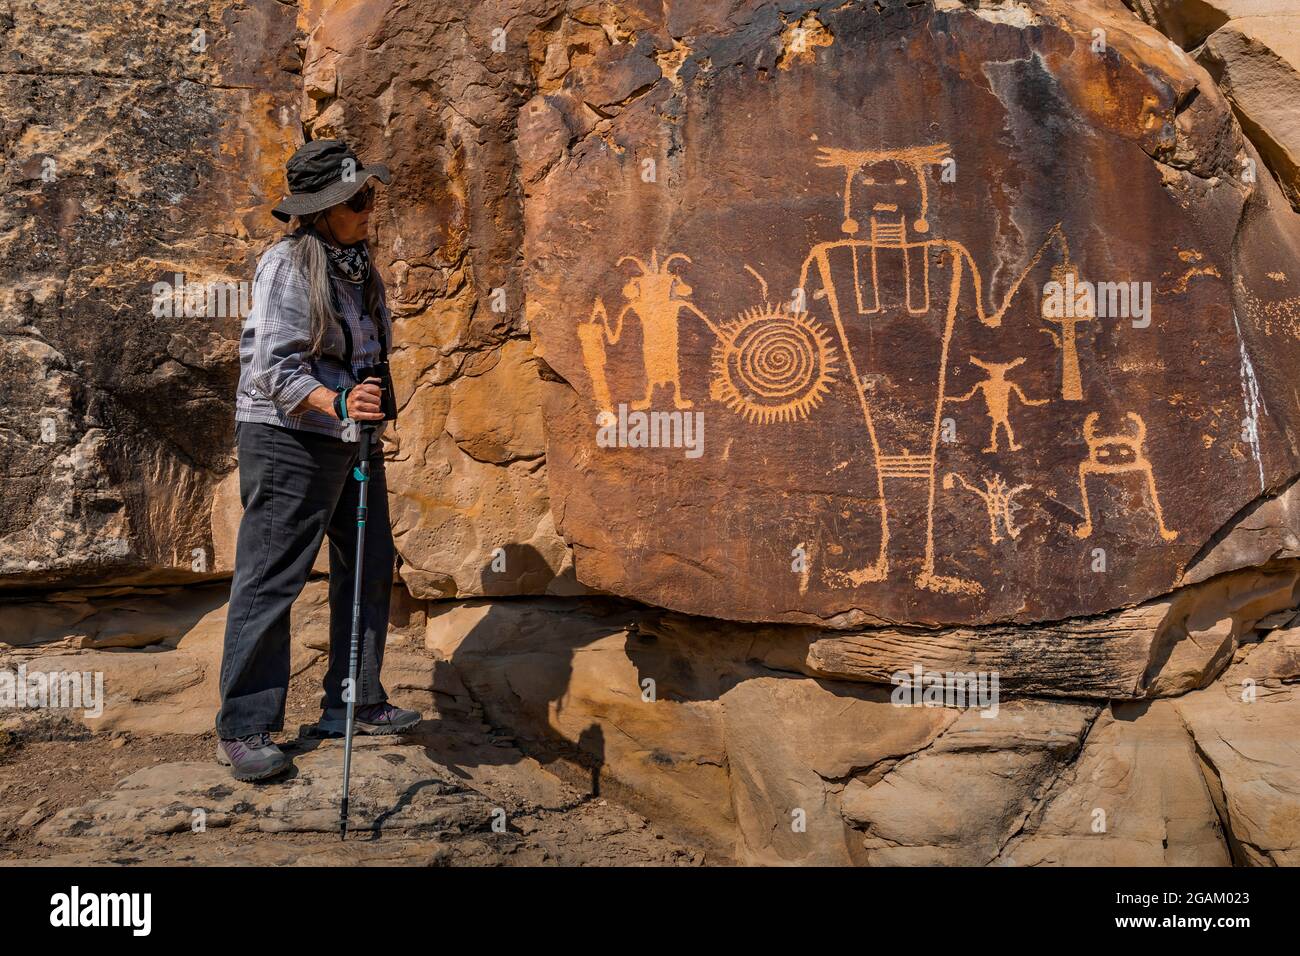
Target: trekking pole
{"points": [[362, 474]]}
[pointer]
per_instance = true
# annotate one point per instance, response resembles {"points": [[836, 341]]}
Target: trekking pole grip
{"points": [[362, 470]]}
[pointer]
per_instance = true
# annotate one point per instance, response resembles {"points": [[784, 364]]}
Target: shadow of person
{"points": [[591, 745], [513, 570], [517, 658], [651, 708], [516, 663], [514, 660]]}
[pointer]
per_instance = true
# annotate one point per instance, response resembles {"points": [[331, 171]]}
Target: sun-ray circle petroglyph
{"points": [[770, 364]]}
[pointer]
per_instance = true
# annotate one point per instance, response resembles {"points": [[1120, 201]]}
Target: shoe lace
{"points": [[377, 711], [256, 741]]}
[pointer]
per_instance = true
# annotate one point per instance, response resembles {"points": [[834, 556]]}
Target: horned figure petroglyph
{"points": [[1117, 454], [997, 392], [999, 501]]}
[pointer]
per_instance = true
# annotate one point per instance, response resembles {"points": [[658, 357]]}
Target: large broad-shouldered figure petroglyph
{"points": [[892, 289]]}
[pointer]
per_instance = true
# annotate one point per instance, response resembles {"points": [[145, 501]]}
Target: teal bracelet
{"points": [[341, 404]]}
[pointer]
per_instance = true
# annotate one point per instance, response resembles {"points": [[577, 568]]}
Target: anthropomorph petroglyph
{"points": [[1117, 454], [891, 292], [657, 297], [997, 391], [999, 501], [880, 294]]}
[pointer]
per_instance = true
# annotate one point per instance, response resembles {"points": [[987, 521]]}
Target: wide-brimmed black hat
{"points": [[324, 173]]}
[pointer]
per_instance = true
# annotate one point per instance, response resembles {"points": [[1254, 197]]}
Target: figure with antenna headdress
{"points": [[657, 297]]}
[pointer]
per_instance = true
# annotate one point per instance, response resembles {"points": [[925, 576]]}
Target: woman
{"points": [[313, 369]]}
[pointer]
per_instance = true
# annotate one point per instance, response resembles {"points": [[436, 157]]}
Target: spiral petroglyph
{"points": [[772, 365]]}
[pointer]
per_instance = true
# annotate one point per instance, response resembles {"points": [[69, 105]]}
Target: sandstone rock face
{"points": [[139, 487], [914, 816], [791, 747], [794, 770], [1257, 63], [471, 513], [1160, 648], [118, 466], [168, 682], [1252, 49], [1245, 739], [810, 251], [1135, 797], [544, 672], [1189, 23], [130, 156]]}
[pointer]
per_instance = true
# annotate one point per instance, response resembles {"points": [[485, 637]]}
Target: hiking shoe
{"points": [[375, 719], [253, 757]]}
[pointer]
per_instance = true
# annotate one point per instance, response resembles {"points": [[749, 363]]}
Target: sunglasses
{"points": [[362, 200]]}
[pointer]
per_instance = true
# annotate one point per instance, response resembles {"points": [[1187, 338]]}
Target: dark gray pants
{"points": [[297, 486]]}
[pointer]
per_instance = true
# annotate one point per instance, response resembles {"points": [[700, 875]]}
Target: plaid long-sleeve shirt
{"points": [[276, 368]]}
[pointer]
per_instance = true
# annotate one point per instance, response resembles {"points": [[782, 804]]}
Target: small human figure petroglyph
{"points": [[997, 391]]}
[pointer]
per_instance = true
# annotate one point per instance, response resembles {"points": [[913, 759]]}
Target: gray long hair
{"points": [[309, 251]]}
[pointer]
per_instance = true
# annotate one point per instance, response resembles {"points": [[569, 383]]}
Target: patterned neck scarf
{"points": [[352, 263]]}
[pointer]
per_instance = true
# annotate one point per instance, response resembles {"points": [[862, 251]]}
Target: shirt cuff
{"points": [[291, 396]]}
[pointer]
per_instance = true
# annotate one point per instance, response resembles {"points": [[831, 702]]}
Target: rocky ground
{"points": [[556, 728], [452, 794]]}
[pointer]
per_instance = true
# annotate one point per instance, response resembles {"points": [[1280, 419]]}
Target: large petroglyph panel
{"points": [[865, 250]]}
